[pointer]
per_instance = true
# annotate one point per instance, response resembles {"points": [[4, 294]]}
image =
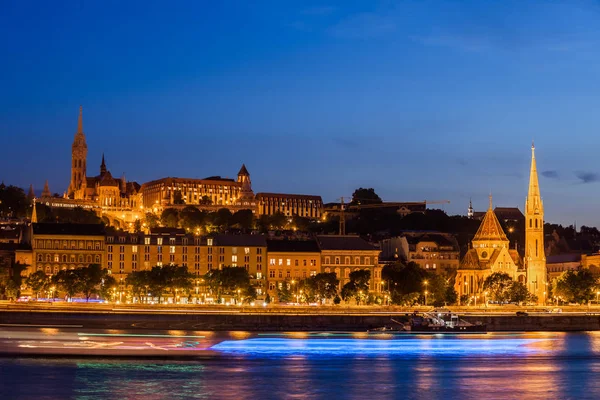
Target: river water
{"points": [[323, 366]]}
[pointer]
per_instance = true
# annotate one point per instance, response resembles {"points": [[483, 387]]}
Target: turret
{"points": [[78, 158]]}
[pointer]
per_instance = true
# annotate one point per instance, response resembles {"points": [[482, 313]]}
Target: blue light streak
{"points": [[367, 347]]}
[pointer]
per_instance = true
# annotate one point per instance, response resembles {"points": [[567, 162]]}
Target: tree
{"points": [[205, 201], [68, 281], [38, 282], [170, 218], [228, 280], [151, 220], [11, 290], [404, 280], [278, 220], [349, 291], [137, 226], [365, 196], [284, 293], [90, 278], [192, 219], [13, 201], [498, 286], [325, 286], [223, 218], [178, 197], [243, 219], [139, 282], [518, 292], [107, 286], [575, 286]]}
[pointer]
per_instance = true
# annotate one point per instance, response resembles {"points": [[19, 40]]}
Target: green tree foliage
{"points": [[137, 226], [139, 282], [243, 219], [13, 201], [228, 280], [107, 286], [358, 286], [192, 219], [498, 285], [284, 292], [38, 282], [362, 196], [90, 278], [168, 277], [205, 201], [76, 215], [170, 218], [518, 292], [278, 221], [68, 281], [575, 286], [322, 287], [222, 218], [151, 220], [178, 197]]}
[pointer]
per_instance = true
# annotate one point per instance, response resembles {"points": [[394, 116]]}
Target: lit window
{"points": [[159, 241], [234, 258], [172, 249], [134, 249]]}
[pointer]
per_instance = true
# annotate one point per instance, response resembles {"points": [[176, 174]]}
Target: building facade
{"points": [[343, 254], [289, 205], [434, 251], [291, 261], [57, 247]]}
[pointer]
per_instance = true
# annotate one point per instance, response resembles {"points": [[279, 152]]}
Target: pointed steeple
{"points": [[490, 228], [103, 166], [34, 218], [80, 121], [46, 192], [534, 199], [470, 210]]}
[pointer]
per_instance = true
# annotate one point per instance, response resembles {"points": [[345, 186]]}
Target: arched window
{"points": [[530, 223], [536, 223], [64, 258]]}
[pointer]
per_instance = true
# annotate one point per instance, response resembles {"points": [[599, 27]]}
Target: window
{"points": [[110, 249], [121, 249], [337, 260], [259, 275], [234, 258], [280, 273], [271, 274], [147, 241], [295, 263], [259, 251], [357, 260], [347, 260], [367, 260], [171, 240], [172, 249], [327, 260], [40, 258], [134, 249], [159, 241], [209, 242], [97, 245], [246, 250], [281, 261], [288, 274], [288, 262]]}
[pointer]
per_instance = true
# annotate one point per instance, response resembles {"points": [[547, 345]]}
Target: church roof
{"points": [[108, 180], [490, 228], [244, 171]]}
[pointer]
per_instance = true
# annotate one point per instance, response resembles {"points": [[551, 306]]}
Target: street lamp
{"points": [[426, 298], [426, 283]]}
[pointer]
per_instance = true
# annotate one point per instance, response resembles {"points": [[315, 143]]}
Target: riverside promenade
{"points": [[280, 318]]}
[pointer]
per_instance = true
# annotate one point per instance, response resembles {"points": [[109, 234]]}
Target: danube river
{"points": [[241, 365]]}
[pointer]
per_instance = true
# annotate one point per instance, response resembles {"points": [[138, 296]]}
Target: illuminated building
{"points": [[535, 258], [291, 260], [490, 253], [66, 246], [289, 204], [433, 251], [343, 254]]}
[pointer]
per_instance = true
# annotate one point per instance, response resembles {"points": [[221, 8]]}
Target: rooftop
{"points": [[343, 242], [293, 246], [68, 229]]}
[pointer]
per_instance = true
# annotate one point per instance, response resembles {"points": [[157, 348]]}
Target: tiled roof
{"points": [[343, 242], [563, 258], [244, 171], [240, 240], [288, 196], [299, 246], [167, 231], [68, 229], [509, 213], [490, 228]]}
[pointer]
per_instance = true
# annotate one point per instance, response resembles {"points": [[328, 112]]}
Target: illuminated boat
{"points": [[440, 321]]}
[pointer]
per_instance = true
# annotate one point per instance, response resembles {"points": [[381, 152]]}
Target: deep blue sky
{"points": [[418, 99]]}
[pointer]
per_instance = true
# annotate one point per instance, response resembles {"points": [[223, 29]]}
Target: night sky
{"points": [[418, 99]]}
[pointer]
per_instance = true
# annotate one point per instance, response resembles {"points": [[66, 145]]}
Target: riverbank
{"points": [[274, 318]]}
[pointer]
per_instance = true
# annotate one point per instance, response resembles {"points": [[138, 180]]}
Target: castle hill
{"points": [[188, 245]]}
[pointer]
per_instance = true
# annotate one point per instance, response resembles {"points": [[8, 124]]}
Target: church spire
{"points": [[80, 121], [46, 192], [103, 166], [534, 199], [34, 218]]}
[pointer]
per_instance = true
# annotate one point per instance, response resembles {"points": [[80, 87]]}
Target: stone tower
{"points": [[244, 178], [470, 210], [535, 259], [78, 159]]}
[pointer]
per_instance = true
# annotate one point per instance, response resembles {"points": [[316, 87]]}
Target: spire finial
{"points": [[80, 121], [490, 199]]}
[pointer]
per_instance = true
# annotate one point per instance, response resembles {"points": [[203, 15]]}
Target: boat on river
{"points": [[436, 321]]}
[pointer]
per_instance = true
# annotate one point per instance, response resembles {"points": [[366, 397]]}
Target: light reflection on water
{"points": [[503, 366]]}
